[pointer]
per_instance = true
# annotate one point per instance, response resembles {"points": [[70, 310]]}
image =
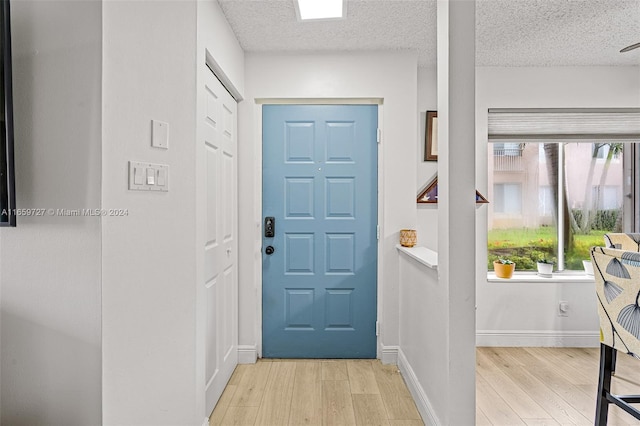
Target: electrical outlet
{"points": [[563, 308]]}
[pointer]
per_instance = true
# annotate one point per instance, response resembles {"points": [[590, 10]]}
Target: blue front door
{"points": [[319, 182]]}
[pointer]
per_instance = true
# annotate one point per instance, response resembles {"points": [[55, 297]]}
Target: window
{"points": [[578, 175], [530, 217], [608, 197], [602, 150], [507, 198]]}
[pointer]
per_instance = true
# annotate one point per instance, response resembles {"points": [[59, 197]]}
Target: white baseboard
{"points": [[416, 390], [206, 421], [247, 354], [528, 338], [389, 354]]}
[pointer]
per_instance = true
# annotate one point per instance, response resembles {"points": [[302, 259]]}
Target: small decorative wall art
{"points": [[431, 137], [430, 194]]}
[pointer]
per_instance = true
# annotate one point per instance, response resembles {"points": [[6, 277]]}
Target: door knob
{"points": [[269, 250]]}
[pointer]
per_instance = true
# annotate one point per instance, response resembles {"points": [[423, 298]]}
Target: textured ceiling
{"points": [[557, 32], [508, 32]]}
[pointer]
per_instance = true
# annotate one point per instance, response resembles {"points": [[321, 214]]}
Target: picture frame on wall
{"points": [[431, 137]]}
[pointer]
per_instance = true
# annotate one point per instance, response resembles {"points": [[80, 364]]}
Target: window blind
{"points": [[571, 125]]}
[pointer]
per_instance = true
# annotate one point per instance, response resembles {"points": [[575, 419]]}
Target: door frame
{"points": [[259, 102]]}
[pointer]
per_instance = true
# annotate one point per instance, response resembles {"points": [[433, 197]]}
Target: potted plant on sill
{"points": [[504, 268], [545, 267]]}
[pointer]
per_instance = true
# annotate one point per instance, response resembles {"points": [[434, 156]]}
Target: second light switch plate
{"points": [[159, 134]]}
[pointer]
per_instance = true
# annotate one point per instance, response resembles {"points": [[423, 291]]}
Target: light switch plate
{"points": [[159, 134], [155, 177]]}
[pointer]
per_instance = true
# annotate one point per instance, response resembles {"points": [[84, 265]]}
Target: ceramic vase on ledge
{"points": [[503, 270], [408, 237], [545, 269]]}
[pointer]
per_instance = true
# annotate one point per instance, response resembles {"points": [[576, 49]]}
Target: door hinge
{"points": [[377, 232], [379, 136], [377, 328]]}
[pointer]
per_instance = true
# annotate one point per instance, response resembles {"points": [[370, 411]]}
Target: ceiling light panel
{"points": [[320, 9]]}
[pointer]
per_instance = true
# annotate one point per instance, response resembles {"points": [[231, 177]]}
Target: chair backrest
{"points": [[622, 241], [617, 277]]}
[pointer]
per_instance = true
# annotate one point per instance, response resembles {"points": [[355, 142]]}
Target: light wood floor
{"points": [[547, 386], [316, 392], [514, 386]]}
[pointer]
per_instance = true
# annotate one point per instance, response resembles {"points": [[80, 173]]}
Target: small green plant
{"points": [[545, 260], [505, 261]]}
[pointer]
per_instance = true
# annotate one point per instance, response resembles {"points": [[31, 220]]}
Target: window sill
{"points": [[525, 277]]}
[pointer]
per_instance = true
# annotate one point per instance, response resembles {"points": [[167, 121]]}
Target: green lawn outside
{"points": [[526, 246]]}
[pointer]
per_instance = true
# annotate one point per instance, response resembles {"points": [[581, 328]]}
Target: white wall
{"points": [[424, 353], [526, 313], [149, 256], [215, 35], [50, 266], [427, 226], [392, 76]]}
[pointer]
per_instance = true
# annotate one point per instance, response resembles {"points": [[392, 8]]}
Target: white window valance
{"points": [[571, 125]]}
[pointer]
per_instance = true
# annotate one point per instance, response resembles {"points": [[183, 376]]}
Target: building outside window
{"points": [[507, 149]]}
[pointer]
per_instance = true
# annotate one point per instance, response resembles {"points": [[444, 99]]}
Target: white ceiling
{"points": [[508, 32]]}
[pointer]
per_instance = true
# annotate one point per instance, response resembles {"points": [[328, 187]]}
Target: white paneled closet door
{"points": [[220, 248]]}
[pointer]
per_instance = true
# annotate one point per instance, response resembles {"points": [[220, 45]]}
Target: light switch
{"points": [[138, 176], [148, 177], [161, 177], [151, 176], [159, 134]]}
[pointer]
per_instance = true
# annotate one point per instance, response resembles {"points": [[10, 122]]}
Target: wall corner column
{"points": [[456, 202]]}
